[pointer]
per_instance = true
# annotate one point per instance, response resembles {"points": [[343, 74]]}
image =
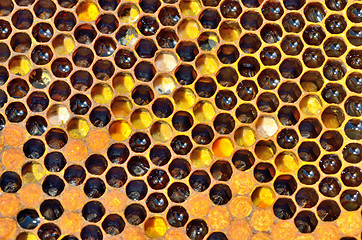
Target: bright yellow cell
{"points": [[222, 147], [263, 197], [265, 150], [207, 64], [155, 227], [188, 29], [230, 31], [245, 137], [164, 84], [128, 13], [87, 11], [190, 7], [161, 131], [63, 44], [120, 130], [121, 107], [78, 128], [311, 105], [286, 162], [32, 172], [184, 98], [102, 93], [141, 118], [201, 157], [20, 65], [123, 83], [27, 236], [204, 111]]}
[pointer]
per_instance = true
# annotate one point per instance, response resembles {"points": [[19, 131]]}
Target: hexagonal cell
{"points": [[125, 59], [81, 80], [265, 149], [22, 19], [330, 164], [128, 13], [314, 35], [83, 57], [351, 200], [247, 90], [314, 12], [224, 123], [266, 126], [43, 54], [311, 81], [313, 57], [205, 87], [250, 43], [287, 138], [127, 36], [333, 117], [103, 69], [146, 48], [288, 115], [311, 105], [227, 76], [334, 47], [310, 128], [330, 187], [267, 102], [248, 66], [352, 12], [353, 105], [268, 79], [7, 7], [251, 20], [289, 92], [209, 18], [230, 31], [149, 6], [107, 23], [272, 11], [353, 130], [353, 59], [264, 172], [230, 9], [148, 25], [85, 33], [270, 56], [145, 71], [284, 208], [333, 93], [20, 42], [306, 221], [271, 33], [290, 68], [225, 100], [188, 28], [285, 185], [308, 174], [190, 7], [169, 16], [187, 51], [167, 38], [292, 45], [293, 22], [65, 21], [336, 5], [228, 54], [208, 41]]}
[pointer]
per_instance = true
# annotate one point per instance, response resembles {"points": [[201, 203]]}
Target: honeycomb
{"points": [[180, 119]]}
